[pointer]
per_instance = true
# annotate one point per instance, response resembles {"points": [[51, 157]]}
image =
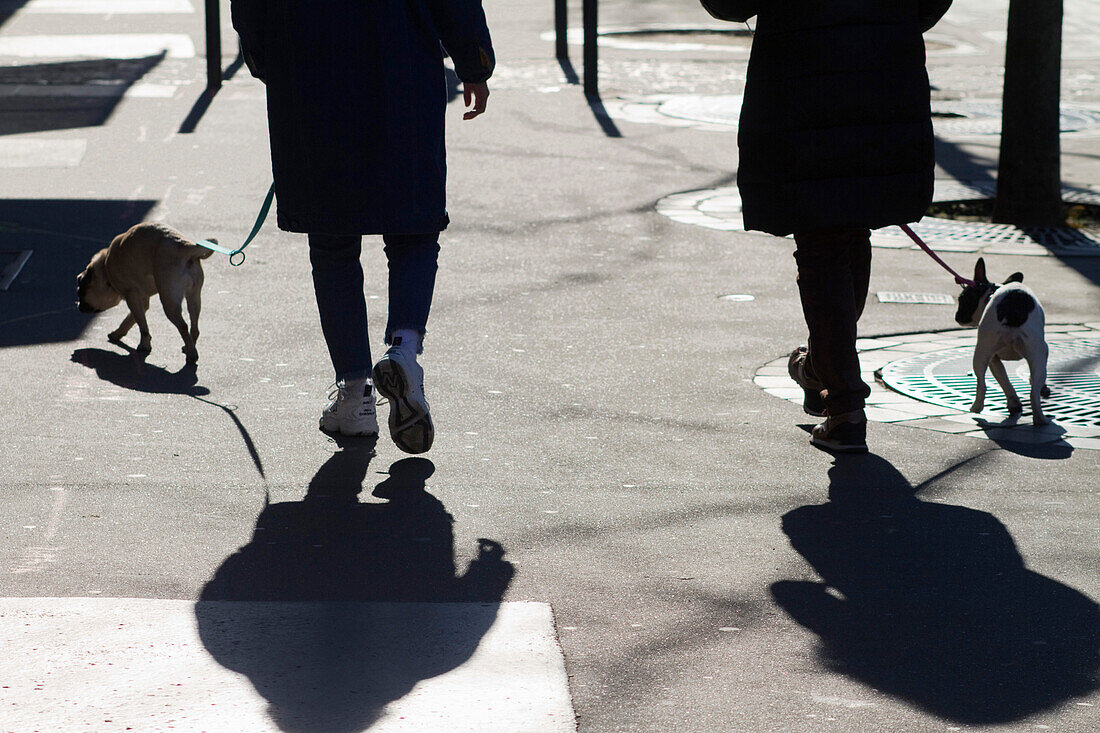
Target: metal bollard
{"points": [[591, 55], [561, 29], [213, 45]]}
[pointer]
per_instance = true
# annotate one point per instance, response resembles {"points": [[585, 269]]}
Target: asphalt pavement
{"points": [[620, 526]]}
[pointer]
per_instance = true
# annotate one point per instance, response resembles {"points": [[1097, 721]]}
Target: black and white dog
{"points": [[1010, 324]]}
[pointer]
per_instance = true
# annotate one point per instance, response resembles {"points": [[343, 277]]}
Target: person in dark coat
{"points": [[835, 139], [356, 96]]}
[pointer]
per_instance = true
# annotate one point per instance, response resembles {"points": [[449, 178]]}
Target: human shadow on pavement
{"points": [[932, 602], [325, 661]]}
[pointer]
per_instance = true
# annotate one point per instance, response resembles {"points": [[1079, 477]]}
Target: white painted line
{"points": [[108, 7], [105, 46], [108, 665], [22, 152], [889, 296], [108, 91]]}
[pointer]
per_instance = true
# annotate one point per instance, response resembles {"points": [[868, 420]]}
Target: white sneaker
{"points": [[400, 380], [352, 410]]}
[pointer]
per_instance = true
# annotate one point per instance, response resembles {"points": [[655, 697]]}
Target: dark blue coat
{"points": [[356, 94], [835, 128]]}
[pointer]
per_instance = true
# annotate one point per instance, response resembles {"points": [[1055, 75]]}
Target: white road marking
{"points": [[108, 664], [103, 46], [18, 151], [108, 91], [108, 7]]}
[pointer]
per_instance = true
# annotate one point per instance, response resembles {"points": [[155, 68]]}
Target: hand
{"points": [[477, 94]]}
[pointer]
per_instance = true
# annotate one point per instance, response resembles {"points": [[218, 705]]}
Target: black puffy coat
{"points": [[835, 127], [356, 95]]}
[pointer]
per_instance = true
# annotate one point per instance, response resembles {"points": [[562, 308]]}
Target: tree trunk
{"points": [[1029, 176]]}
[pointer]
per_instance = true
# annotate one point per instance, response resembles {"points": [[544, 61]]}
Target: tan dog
{"points": [[144, 261]]}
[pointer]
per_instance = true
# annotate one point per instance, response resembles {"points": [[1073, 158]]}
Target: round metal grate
{"points": [[945, 378]]}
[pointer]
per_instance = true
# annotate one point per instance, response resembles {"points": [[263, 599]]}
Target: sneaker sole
{"points": [[410, 425]]}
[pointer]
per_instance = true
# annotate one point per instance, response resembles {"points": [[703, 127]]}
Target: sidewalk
{"points": [[660, 514]]}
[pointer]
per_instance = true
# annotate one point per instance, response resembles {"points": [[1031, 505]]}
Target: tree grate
{"points": [[945, 378]]}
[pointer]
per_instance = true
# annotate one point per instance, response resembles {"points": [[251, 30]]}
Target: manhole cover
{"points": [[924, 380], [983, 117], [721, 38], [945, 378], [949, 118], [720, 208], [968, 190]]}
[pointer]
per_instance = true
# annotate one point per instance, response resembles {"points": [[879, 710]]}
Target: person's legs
{"points": [[341, 304], [338, 284], [412, 260], [834, 271]]}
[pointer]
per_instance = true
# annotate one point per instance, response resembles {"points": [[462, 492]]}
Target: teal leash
{"points": [[260, 218]]}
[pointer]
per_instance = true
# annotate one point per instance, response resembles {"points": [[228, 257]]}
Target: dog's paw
{"points": [[1039, 420], [1014, 407], [1045, 391], [978, 406], [144, 348], [115, 337]]}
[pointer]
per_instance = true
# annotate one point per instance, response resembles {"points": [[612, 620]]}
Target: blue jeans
{"points": [[341, 303]]}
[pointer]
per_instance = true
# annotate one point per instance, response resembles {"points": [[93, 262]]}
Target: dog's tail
{"points": [[201, 253]]}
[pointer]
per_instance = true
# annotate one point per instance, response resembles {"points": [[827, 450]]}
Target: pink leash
{"points": [[912, 235]]}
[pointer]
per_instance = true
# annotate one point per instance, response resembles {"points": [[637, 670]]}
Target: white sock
{"points": [[407, 340]]}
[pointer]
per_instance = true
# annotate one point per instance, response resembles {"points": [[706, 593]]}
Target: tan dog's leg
{"points": [[138, 305], [194, 302], [1012, 400], [123, 328], [173, 308]]}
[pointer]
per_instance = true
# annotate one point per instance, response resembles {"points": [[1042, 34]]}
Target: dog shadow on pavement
{"points": [[131, 371], [1017, 435], [315, 609], [932, 603]]}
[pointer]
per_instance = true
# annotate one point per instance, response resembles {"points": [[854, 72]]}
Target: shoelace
{"points": [[335, 391]]}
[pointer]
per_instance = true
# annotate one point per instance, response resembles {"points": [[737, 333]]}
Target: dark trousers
{"points": [[341, 303], [834, 273]]}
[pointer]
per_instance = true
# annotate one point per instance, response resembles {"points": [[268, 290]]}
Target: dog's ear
{"points": [[211, 239], [979, 271], [1016, 277]]}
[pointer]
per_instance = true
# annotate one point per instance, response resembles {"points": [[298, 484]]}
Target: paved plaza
{"points": [[622, 526]]}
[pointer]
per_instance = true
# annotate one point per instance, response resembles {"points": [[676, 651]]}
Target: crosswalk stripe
{"points": [[108, 7], [111, 664], [105, 46], [144, 90]]}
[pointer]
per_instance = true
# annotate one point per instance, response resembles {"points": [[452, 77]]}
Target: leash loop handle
{"points": [[959, 279], [260, 218]]}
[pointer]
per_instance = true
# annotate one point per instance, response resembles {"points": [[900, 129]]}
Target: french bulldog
{"points": [[147, 260], [1010, 323]]}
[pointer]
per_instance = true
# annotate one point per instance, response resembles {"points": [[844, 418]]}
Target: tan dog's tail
{"points": [[201, 253]]}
